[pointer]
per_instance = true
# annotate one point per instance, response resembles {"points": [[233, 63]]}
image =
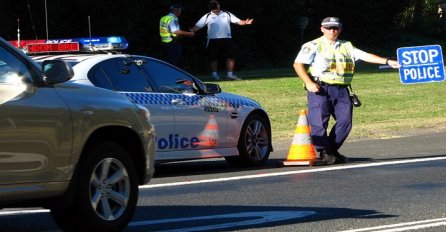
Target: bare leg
{"points": [[230, 63]]}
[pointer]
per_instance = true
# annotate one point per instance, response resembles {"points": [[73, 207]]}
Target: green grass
{"points": [[389, 108]]}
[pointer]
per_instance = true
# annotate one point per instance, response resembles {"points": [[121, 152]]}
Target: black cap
{"points": [[331, 22]]}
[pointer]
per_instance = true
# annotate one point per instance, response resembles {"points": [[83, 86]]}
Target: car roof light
{"points": [[104, 43], [93, 44], [56, 47]]}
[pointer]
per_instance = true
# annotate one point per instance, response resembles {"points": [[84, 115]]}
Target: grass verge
{"points": [[389, 108]]}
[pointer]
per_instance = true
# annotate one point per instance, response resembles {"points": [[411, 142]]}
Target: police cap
{"points": [[331, 22]]}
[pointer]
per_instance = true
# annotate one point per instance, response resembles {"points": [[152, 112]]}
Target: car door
{"points": [[35, 127], [200, 120], [125, 75]]}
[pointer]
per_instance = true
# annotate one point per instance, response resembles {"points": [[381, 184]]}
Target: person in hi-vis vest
{"points": [[171, 33], [331, 66]]}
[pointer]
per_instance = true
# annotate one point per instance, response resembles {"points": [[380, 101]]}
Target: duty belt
{"points": [[323, 83], [329, 84]]}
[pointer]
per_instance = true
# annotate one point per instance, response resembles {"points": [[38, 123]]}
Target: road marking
{"points": [[259, 218], [20, 212], [282, 214], [263, 175], [403, 226]]}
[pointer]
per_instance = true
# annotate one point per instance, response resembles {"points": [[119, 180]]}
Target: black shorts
{"points": [[221, 48]]}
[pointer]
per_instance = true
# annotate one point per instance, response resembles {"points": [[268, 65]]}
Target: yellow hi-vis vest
{"points": [[166, 36], [339, 60]]}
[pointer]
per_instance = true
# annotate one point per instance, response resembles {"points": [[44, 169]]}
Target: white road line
{"points": [[263, 175], [20, 212], [403, 226], [388, 228]]}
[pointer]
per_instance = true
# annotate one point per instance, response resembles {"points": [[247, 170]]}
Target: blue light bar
{"points": [[103, 43]]}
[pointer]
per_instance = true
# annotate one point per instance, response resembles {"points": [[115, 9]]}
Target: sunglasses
{"points": [[332, 28]]}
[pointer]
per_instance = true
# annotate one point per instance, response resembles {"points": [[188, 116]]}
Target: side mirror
{"points": [[57, 71], [212, 88]]}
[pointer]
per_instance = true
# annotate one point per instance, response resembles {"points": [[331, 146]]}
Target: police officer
{"points": [[220, 43], [331, 66], [171, 33]]}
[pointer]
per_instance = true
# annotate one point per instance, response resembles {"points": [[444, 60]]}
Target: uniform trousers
{"points": [[331, 100], [172, 52]]}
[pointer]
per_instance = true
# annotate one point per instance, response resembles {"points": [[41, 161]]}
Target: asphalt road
{"points": [[389, 182], [390, 185]]}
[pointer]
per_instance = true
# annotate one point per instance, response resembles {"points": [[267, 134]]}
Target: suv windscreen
{"points": [[12, 69]]}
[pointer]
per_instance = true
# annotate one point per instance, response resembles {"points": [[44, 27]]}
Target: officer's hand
{"points": [[312, 87], [394, 64]]}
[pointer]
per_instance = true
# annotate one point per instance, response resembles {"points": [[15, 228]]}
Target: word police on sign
{"points": [[421, 64]]}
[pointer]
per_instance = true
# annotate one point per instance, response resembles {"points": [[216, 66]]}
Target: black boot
{"points": [[340, 159], [328, 157]]}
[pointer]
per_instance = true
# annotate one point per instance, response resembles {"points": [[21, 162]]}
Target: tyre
{"points": [[254, 143], [106, 192]]}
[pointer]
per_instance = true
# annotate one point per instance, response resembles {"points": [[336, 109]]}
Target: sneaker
{"points": [[340, 159], [233, 77], [216, 77], [327, 157]]}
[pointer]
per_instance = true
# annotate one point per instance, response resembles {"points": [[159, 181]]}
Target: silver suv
{"points": [[80, 151]]}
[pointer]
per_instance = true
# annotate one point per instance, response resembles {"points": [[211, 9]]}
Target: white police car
{"points": [[193, 120]]}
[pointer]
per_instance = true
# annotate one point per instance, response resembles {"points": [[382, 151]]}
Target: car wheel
{"points": [[254, 144], [106, 192]]}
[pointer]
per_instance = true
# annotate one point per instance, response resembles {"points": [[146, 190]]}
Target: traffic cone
{"points": [[209, 136], [302, 151]]}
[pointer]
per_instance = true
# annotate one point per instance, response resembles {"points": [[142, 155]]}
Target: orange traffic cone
{"points": [[208, 138], [302, 150]]}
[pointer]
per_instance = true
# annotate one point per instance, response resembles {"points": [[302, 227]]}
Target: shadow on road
{"points": [[203, 167], [207, 218], [231, 218]]}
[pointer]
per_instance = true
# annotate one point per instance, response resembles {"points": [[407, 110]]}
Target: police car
{"points": [[193, 120]]}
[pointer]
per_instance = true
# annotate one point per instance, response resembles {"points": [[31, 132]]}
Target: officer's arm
{"points": [[372, 58], [302, 73], [184, 33]]}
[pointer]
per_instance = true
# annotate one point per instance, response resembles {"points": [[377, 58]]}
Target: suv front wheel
{"points": [[106, 193]]}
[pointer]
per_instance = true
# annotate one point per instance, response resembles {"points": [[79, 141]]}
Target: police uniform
{"points": [[331, 66], [170, 41]]}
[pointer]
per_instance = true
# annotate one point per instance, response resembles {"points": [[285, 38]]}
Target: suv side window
{"points": [[169, 79], [12, 69], [121, 75]]}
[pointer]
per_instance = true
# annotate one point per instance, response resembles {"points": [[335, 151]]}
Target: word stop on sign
{"points": [[421, 64]]}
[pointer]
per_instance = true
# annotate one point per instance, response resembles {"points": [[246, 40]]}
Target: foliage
{"points": [[272, 41]]}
